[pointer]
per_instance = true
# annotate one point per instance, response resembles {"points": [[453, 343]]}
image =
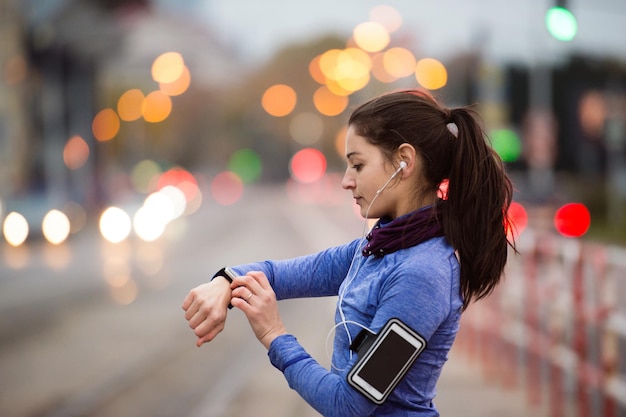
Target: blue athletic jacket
{"points": [[419, 285]]}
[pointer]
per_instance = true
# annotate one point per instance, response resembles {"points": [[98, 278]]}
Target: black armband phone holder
{"points": [[384, 359]]}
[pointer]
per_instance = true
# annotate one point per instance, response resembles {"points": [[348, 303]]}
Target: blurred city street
{"points": [[68, 348], [145, 144]]}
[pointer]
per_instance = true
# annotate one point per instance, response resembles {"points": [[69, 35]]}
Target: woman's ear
{"points": [[406, 153]]}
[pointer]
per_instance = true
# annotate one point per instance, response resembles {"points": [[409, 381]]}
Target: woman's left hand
{"points": [[253, 294]]}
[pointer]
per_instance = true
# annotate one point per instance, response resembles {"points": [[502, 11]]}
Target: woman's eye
{"points": [[357, 166]]}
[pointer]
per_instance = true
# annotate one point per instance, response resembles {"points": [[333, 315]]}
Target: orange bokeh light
{"points": [[129, 105], [156, 107], [431, 74], [328, 103], [379, 71], [167, 67], [316, 71], [105, 125], [399, 62], [279, 100], [75, 152], [179, 86]]}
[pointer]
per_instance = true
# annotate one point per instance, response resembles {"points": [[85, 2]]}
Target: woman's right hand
{"points": [[206, 307]]}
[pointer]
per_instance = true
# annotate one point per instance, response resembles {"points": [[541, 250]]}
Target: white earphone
{"points": [[400, 168]]}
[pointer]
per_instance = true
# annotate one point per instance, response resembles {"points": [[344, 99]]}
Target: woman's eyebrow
{"points": [[351, 154]]}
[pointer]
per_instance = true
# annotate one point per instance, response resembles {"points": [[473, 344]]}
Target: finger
{"points": [[192, 310], [207, 332], [197, 319], [261, 279], [243, 293], [188, 300], [242, 305]]}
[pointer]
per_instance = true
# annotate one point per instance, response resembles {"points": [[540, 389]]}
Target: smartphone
{"points": [[382, 366]]}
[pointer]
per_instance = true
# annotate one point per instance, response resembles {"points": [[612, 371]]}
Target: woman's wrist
{"points": [[222, 286], [267, 339]]}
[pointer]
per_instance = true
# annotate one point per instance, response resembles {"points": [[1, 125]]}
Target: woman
{"points": [[423, 262]]}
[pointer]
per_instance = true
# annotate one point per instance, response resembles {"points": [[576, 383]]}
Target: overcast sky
{"points": [[514, 29]]}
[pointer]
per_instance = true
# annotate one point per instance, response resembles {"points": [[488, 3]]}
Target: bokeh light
{"points": [[592, 113], [561, 23], [387, 16], [143, 175], [306, 128], [149, 221], [15, 229], [177, 198], [507, 144], [179, 86], [572, 220], [431, 74], [129, 105], [115, 224], [308, 165], [315, 71], [75, 152], [518, 220], [226, 188], [379, 71], [156, 107], [371, 36], [346, 70], [182, 179], [55, 227], [247, 164], [328, 103], [168, 67], [105, 125], [399, 62], [279, 100]]}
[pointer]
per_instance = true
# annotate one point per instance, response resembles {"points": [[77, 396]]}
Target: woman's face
{"points": [[366, 173]]}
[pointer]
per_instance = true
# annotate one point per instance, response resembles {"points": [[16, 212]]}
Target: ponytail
{"points": [[453, 146], [479, 194]]}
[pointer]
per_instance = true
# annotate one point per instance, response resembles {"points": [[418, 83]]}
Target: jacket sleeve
{"points": [[314, 275], [327, 392]]}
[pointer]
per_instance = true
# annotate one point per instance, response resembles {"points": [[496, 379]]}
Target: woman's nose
{"points": [[347, 181]]}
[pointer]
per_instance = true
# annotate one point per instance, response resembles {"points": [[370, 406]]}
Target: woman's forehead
{"points": [[358, 145]]}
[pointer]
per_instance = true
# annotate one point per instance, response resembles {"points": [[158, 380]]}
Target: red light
{"points": [[518, 220], [226, 188], [572, 220], [308, 165], [180, 178]]}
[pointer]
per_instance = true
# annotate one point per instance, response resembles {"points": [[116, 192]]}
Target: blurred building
{"points": [[63, 61]]}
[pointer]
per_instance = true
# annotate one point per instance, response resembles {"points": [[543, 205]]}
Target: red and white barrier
{"points": [[556, 327]]}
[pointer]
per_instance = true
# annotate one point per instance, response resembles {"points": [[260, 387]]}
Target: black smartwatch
{"points": [[224, 272], [228, 275]]}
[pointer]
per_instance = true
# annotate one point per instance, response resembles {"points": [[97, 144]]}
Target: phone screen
{"points": [[387, 361]]}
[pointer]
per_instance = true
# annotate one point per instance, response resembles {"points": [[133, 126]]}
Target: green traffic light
{"points": [[561, 23]]}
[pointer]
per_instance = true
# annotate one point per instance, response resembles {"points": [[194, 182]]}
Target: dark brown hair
{"points": [[479, 190]]}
